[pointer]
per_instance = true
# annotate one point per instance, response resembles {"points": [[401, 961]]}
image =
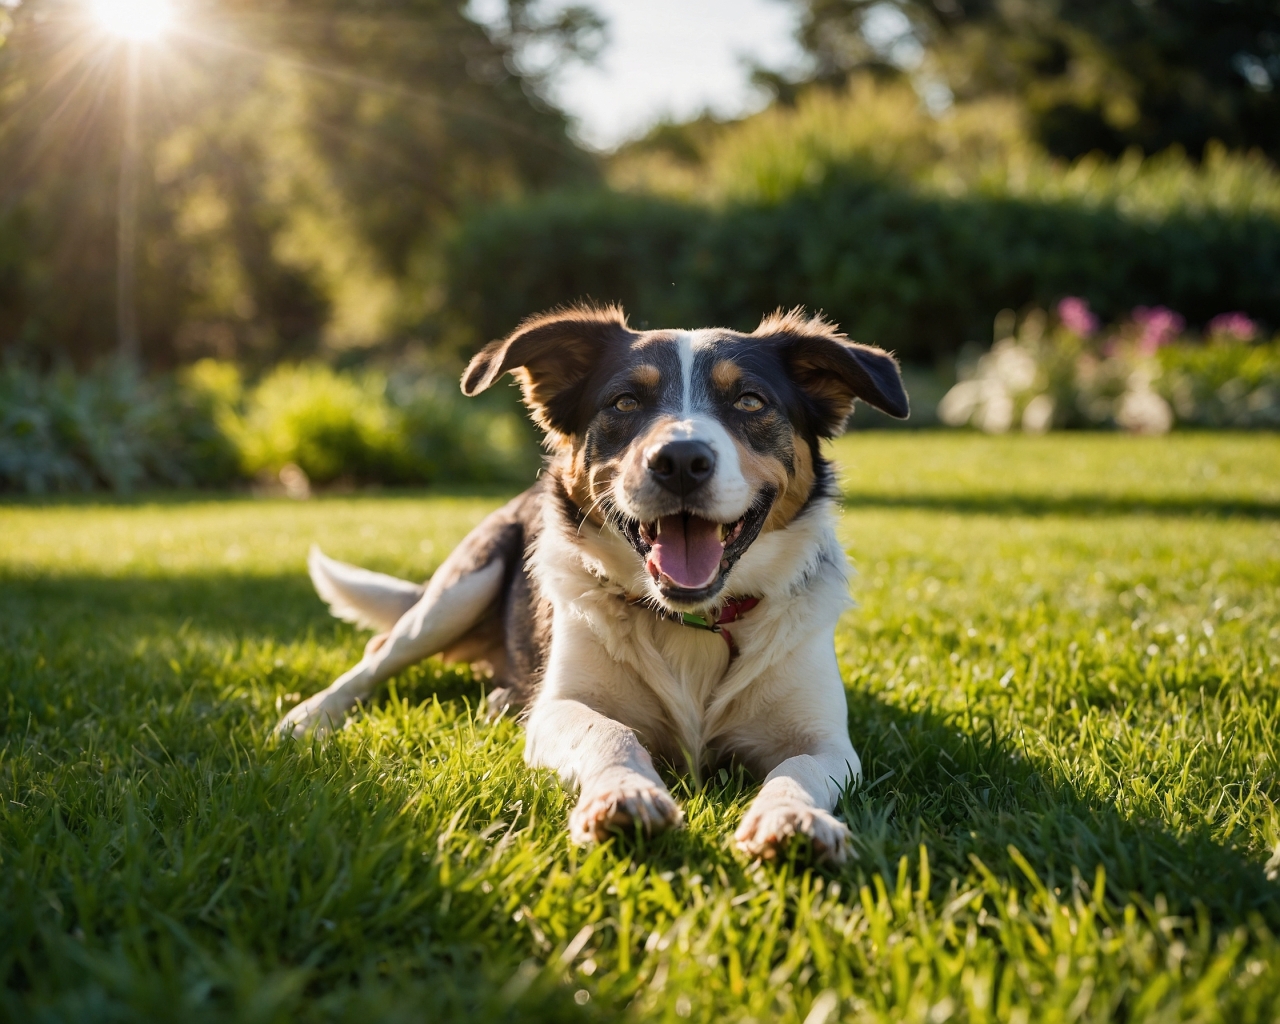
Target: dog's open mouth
{"points": [[687, 555]]}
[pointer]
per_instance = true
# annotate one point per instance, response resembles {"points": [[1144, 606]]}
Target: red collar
{"points": [[735, 608]]}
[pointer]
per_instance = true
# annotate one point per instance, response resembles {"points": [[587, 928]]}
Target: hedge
{"points": [[917, 272]]}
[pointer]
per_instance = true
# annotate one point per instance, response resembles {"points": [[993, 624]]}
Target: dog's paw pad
{"points": [[621, 806], [766, 830]]}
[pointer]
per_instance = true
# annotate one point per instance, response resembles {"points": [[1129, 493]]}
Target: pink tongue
{"points": [[687, 551]]}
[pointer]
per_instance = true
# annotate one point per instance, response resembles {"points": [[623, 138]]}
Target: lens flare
{"points": [[139, 20]]}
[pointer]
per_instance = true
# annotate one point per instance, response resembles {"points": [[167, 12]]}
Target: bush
{"points": [[330, 425], [1227, 384], [908, 231], [410, 428], [487, 439], [113, 429]]}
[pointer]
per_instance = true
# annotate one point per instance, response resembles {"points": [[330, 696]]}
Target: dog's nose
{"points": [[683, 466]]}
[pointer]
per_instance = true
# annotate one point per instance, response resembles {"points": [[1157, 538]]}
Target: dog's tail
{"points": [[369, 599]]}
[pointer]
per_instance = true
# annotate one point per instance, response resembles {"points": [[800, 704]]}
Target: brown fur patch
{"points": [[799, 486], [725, 374], [827, 387], [586, 486], [647, 375], [761, 471], [571, 467], [537, 392], [796, 321]]}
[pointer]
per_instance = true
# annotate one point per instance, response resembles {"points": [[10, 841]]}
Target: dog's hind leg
{"points": [[464, 589]]}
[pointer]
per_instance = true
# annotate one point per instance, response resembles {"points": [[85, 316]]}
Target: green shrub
{"points": [[977, 148], [1224, 384], [487, 439], [205, 397], [331, 425], [113, 429], [110, 428], [409, 428], [915, 273], [908, 231]]}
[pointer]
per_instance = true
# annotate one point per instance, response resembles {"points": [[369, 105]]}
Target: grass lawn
{"points": [[1063, 680]]}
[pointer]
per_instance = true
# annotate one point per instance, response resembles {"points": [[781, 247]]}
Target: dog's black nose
{"points": [[683, 466]]}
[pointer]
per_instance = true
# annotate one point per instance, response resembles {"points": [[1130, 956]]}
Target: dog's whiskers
{"points": [[594, 505]]}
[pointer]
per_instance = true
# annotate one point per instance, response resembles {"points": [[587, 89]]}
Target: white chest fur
{"points": [[656, 675]]}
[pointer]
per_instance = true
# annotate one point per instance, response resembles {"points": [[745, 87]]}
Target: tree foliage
{"points": [[1093, 74], [299, 163]]}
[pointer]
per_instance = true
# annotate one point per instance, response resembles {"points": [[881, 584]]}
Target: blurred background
{"points": [[252, 244]]}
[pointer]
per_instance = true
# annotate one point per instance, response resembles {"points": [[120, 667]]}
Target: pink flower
{"points": [[1160, 325], [1077, 317], [1233, 325]]}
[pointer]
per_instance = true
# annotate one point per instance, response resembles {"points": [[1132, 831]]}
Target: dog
{"points": [[668, 590]]}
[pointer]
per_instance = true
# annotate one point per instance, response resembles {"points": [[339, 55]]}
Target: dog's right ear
{"points": [[551, 356]]}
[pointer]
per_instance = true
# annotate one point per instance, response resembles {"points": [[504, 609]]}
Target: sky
{"points": [[673, 59]]}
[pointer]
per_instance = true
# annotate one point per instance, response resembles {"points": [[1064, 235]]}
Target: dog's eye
{"points": [[749, 403], [627, 403]]}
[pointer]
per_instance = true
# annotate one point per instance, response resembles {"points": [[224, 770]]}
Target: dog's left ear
{"points": [[551, 356], [833, 371]]}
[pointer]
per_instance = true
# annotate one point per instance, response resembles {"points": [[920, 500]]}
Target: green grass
{"points": [[1062, 679]]}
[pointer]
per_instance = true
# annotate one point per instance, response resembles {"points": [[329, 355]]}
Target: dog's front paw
{"points": [[618, 803], [311, 716], [770, 823]]}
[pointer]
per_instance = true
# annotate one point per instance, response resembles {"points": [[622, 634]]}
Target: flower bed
{"points": [[1145, 375]]}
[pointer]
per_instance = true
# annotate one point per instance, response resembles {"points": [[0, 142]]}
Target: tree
{"points": [[1093, 74], [300, 161]]}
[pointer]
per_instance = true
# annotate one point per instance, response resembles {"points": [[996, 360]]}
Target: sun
{"points": [[139, 20]]}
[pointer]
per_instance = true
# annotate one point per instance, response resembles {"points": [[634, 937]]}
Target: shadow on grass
{"points": [[963, 789], [952, 784], [281, 607], [1067, 505]]}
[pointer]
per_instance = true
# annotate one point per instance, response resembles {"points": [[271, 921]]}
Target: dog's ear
{"points": [[832, 371], [551, 356]]}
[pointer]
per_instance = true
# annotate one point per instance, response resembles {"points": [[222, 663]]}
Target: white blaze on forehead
{"points": [[684, 346], [687, 345]]}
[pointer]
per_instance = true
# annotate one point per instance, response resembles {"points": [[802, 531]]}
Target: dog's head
{"points": [[688, 443]]}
